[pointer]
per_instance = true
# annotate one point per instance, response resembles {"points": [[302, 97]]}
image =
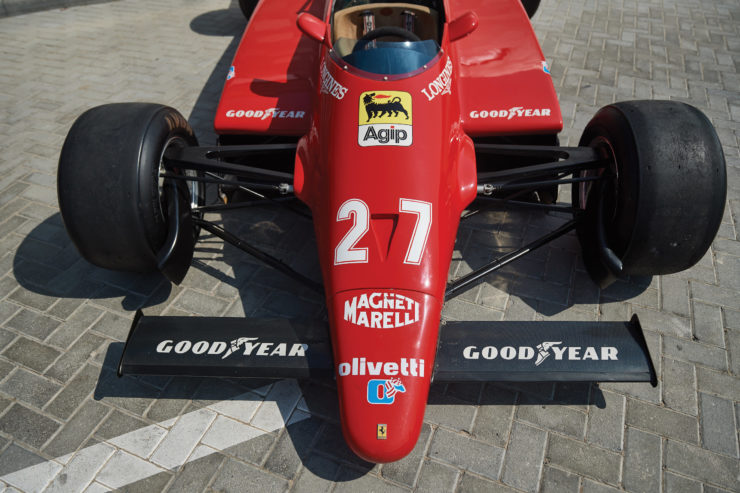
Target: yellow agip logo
{"points": [[384, 119], [385, 107]]}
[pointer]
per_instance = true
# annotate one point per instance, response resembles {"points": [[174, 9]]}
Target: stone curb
{"points": [[10, 8]]}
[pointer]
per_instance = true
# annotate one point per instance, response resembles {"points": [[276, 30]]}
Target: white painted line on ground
{"points": [[168, 445]]}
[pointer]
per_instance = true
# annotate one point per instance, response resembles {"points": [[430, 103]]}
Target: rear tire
{"points": [[531, 6], [664, 203], [247, 7], [110, 194]]}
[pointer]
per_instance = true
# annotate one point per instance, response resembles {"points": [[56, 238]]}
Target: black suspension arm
{"points": [[208, 159], [268, 259], [565, 160], [459, 284]]}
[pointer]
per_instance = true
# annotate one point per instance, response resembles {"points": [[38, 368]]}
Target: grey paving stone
{"points": [[733, 347], [317, 475], [447, 410], [200, 304], [76, 356], [33, 324], [158, 482], [675, 295], [30, 299], [714, 382], [292, 447], [332, 443], [703, 465], [231, 477], [437, 477], [406, 470], [15, 458], [4, 403], [74, 326], [118, 423], [559, 481], [661, 421], [29, 388], [124, 393], [708, 326], [476, 484], [524, 456], [556, 417], [679, 386], [717, 425], [196, 475], [254, 450], [606, 425], [7, 310], [27, 426], [173, 399], [642, 462], [674, 483], [466, 453], [494, 418], [31, 354], [76, 391], [665, 323], [77, 429], [583, 459], [590, 486], [113, 326]]}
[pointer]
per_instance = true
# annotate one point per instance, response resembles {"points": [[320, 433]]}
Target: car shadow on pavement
{"points": [[46, 263]]}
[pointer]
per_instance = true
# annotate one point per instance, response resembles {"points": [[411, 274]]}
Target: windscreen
{"points": [[386, 38]]}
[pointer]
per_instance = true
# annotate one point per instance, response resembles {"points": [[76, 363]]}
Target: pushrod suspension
{"points": [[456, 286]]}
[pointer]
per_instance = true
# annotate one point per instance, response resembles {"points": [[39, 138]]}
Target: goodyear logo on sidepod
{"points": [[385, 119]]}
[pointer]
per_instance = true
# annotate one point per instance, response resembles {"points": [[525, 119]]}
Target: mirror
{"points": [[463, 25], [312, 26]]}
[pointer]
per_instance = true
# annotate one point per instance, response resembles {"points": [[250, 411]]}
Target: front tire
{"points": [[660, 202], [111, 196]]}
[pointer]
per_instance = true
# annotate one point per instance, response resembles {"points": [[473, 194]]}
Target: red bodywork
{"points": [[386, 216]]}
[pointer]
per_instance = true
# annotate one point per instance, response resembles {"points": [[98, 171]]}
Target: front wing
{"points": [[467, 351]]}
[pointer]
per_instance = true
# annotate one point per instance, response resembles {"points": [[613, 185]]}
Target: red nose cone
{"points": [[384, 347]]}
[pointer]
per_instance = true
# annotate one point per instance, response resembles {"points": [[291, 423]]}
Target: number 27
{"points": [[347, 252]]}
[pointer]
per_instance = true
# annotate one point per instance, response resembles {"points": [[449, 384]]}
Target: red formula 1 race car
{"points": [[388, 119]]}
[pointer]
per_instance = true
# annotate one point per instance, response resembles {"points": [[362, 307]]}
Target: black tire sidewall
{"points": [[670, 187], [108, 182]]}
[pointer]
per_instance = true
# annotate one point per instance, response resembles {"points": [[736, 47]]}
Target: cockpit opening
{"points": [[387, 37]]}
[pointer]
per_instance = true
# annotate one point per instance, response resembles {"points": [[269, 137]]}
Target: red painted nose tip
{"points": [[381, 442]]}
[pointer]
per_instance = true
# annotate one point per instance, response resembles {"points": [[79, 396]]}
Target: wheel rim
{"points": [[193, 186]]}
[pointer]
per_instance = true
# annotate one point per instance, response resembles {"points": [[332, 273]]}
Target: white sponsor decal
{"points": [[524, 353], [381, 310], [265, 114], [250, 346], [385, 134], [515, 112], [407, 367], [440, 85], [330, 86]]}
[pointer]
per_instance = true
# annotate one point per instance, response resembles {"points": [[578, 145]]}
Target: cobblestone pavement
{"points": [[67, 423]]}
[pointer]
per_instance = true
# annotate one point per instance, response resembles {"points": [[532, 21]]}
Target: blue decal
{"points": [[546, 68], [232, 73], [384, 391]]}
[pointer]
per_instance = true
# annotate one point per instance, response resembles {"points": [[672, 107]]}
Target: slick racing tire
{"points": [[247, 7], [661, 199], [531, 6], [111, 197]]}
